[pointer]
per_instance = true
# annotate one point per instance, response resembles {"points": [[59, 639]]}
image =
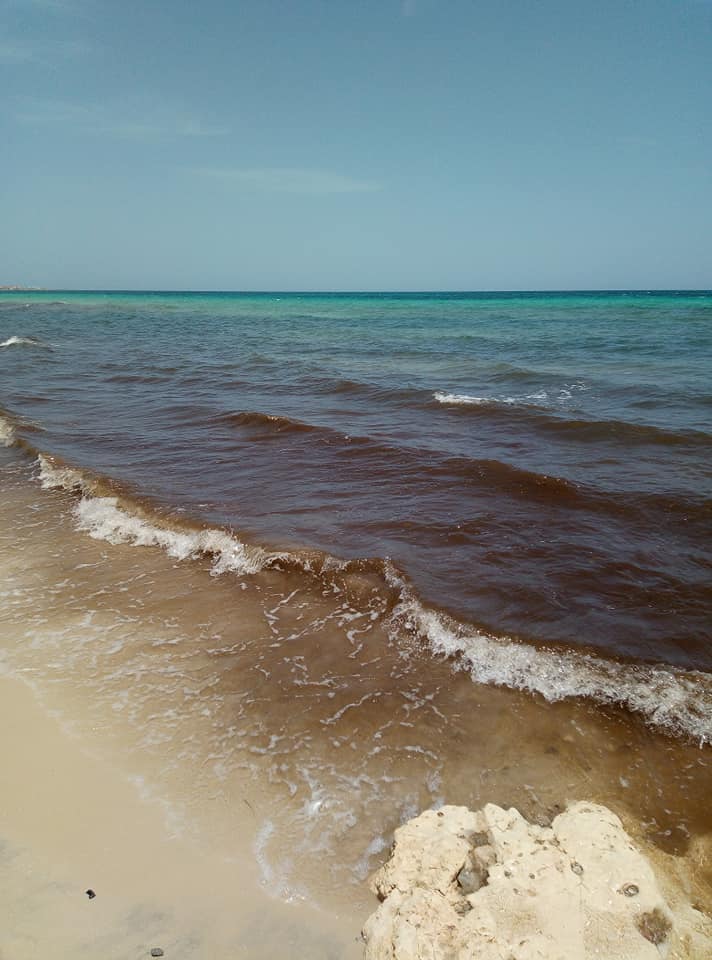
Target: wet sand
{"points": [[70, 821]]}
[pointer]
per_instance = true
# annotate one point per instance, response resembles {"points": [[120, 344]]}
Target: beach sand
{"points": [[70, 821]]}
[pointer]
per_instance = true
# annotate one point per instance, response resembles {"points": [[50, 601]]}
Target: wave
{"points": [[465, 399], [538, 398], [138, 378], [24, 342], [267, 422], [492, 473], [592, 431], [103, 519], [678, 702], [358, 388], [675, 701], [349, 387], [493, 476]]}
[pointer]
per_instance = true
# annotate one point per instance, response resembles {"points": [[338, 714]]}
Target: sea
{"points": [[328, 559]]}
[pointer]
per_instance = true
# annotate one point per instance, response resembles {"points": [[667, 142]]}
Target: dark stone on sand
{"points": [[630, 890], [156, 952], [90, 893]]}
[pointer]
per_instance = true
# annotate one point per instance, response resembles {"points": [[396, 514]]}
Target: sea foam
{"points": [[103, 519], [536, 399], [679, 702], [465, 399], [22, 342], [7, 432]]}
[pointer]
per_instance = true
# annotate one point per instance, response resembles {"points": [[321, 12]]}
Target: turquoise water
{"points": [[538, 465]]}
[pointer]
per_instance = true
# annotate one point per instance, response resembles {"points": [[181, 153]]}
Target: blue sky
{"points": [[399, 144]]}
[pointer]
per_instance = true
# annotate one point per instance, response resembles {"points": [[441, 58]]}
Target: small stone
{"points": [[629, 890], [156, 952], [90, 893], [469, 879]]}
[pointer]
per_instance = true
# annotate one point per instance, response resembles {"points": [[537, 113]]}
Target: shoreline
{"points": [[106, 510], [70, 821], [222, 744]]}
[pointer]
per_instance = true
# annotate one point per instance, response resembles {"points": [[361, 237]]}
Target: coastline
{"points": [[257, 720], [71, 821]]}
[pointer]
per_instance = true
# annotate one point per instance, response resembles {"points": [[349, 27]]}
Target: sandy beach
{"points": [[70, 822], [90, 867]]}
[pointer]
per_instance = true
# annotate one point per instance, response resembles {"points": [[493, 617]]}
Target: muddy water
{"points": [[282, 719]]}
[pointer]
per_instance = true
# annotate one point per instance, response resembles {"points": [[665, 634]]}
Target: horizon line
{"points": [[12, 288]]}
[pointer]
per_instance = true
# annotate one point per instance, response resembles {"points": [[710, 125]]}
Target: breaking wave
{"points": [[539, 398], [7, 432], [103, 519], [548, 419], [24, 342], [678, 702], [465, 399], [675, 701]]}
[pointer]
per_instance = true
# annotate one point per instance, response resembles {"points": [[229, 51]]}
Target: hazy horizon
{"points": [[21, 288]]}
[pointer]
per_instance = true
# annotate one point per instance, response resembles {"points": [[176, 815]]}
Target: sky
{"points": [[361, 145]]}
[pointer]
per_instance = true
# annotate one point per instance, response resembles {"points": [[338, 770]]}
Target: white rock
{"points": [[491, 886]]}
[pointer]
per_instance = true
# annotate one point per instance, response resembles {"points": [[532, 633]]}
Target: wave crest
{"points": [[550, 420], [24, 342], [675, 701], [103, 519], [537, 398], [267, 422]]}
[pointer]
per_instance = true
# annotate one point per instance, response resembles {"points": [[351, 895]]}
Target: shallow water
{"points": [[193, 486], [301, 702]]}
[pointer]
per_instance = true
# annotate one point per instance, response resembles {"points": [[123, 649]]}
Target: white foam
{"points": [[459, 398], [466, 399], [53, 477], [103, 519], [275, 879], [678, 701], [7, 433], [22, 341], [537, 398]]}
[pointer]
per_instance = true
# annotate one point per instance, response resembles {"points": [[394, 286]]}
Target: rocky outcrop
{"points": [[491, 886]]}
